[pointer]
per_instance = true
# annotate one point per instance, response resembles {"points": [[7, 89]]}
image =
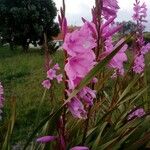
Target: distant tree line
{"points": [[26, 21]]}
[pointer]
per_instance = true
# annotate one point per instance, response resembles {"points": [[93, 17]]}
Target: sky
{"points": [[75, 9]]}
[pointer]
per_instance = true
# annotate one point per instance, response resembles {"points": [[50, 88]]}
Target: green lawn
{"points": [[21, 75]]}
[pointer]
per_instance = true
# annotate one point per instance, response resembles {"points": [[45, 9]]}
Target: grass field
{"points": [[21, 75]]}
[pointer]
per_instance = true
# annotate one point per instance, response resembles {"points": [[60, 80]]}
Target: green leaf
{"points": [[133, 96], [101, 129], [141, 142], [51, 118], [128, 89], [6, 144], [104, 146]]}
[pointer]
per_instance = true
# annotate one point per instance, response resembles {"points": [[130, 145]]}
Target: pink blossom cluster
{"points": [[108, 29], [76, 105], [141, 49], [51, 75], [110, 8], [1, 99], [117, 61], [139, 11], [81, 60], [139, 60]]}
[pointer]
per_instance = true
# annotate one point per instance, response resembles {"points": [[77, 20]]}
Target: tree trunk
{"points": [[11, 45], [25, 48]]}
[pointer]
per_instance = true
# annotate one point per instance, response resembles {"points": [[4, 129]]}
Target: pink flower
{"points": [[110, 31], [107, 23], [80, 41], [79, 46], [139, 64], [139, 11], [145, 49], [95, 80], [72, 83], [87, 95], [136, 113], [56, 67], [51, 74], [78, 66], [46, 139], [59, 78], [110, 8], [117, 61], [76, 108], [79, 148], [46, 84], [1, 98]]}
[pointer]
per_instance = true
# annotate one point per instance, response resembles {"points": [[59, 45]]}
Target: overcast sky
{"points": [[75, 9]]}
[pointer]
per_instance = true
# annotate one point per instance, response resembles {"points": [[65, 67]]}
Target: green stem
{"points": [[86, 126], [39, 108]]}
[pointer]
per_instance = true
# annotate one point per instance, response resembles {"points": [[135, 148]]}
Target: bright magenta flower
{"points": [[79, 148], [136, 113], [80, 41], [77, 109], [109, 31], [46, 139], [78, 66], [141, 49], [56, 67], [79, 46], [51, 74], [140, 11], [139, 64], [145, 49], [110, 8], [87, 95], [46, 84], [1, 98], [95, 80], [59, 78], [118, 60]]}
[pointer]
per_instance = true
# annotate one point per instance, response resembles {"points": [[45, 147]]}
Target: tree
{"points": [[26, 21], [127, 27]]}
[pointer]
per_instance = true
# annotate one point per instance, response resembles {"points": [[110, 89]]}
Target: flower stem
{"points": [[86, 126]]}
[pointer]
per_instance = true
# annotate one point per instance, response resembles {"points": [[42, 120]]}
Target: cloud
{"points": [[75, 9]]}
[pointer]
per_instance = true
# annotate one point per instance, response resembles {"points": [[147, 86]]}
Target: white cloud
{"points": [[75, 9]]}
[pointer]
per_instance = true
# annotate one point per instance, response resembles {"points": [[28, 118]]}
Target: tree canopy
{"points": [[25, 21], [127, 27]]}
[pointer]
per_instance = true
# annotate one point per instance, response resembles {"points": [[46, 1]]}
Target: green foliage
{"points": [[147, 37], [25, 21], [127, 27], [22, 75]]}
